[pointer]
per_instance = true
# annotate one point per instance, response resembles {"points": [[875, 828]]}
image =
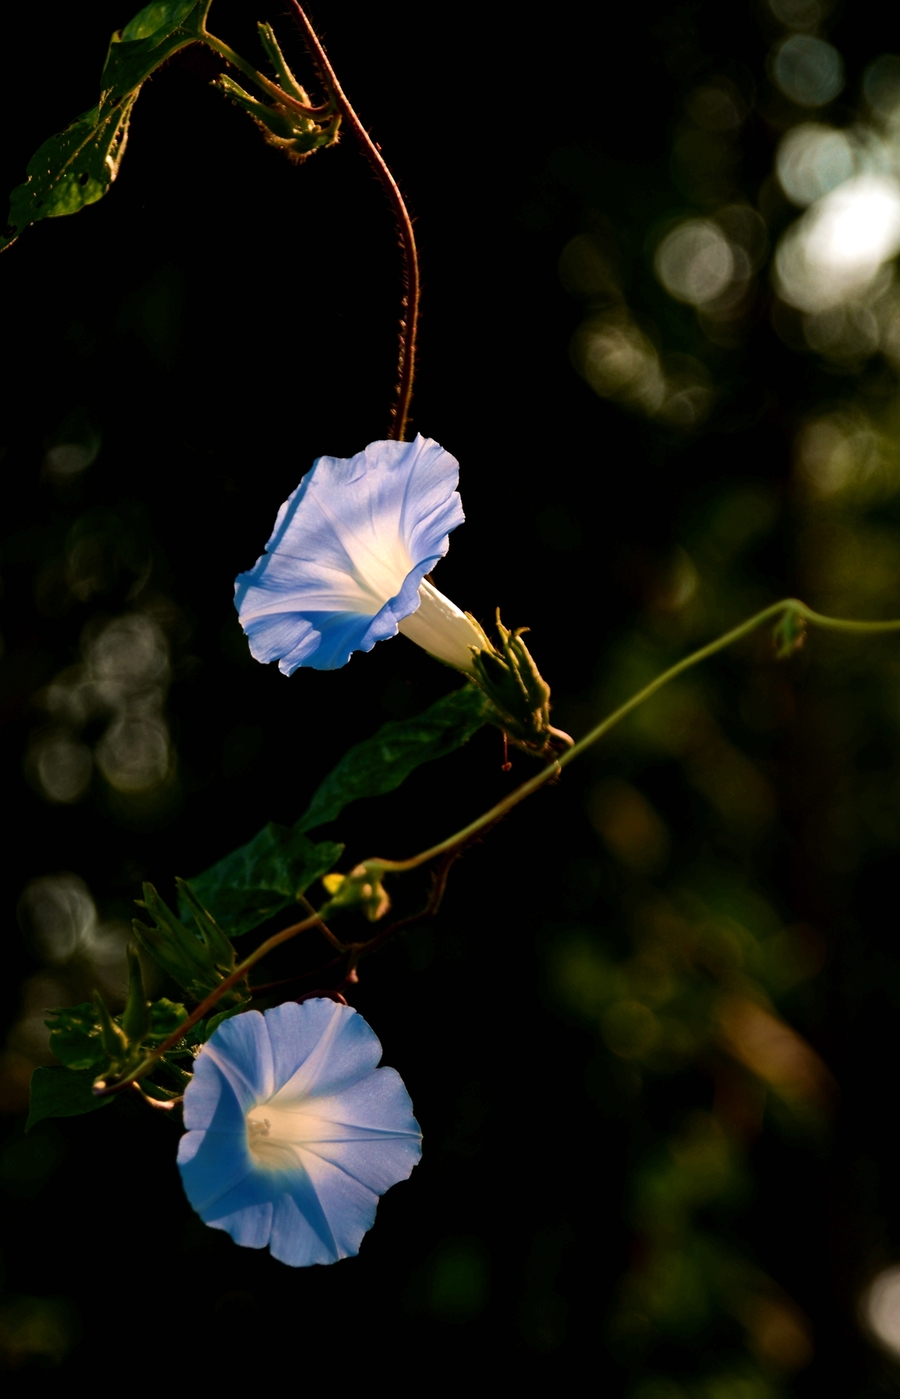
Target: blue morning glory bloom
{"points": [[346, 564], [294, 1131]]}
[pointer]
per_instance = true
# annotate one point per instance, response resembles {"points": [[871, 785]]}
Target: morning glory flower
{"points": [[346, 564], [294, 1131]]}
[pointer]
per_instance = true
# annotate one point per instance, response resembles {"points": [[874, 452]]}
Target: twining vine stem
{"points": [[784, 608], [788, 608], [409, 325]]}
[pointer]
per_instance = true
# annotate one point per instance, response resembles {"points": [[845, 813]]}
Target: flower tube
{"points": [[346, 564], [294, 1131]]}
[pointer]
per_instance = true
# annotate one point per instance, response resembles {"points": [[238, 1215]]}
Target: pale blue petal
{"points": [[358, 1136], [350, 547], [347, 1203], [242, 1051], [245, 1212], [322, 640], [320, 1048], [212, 1102], [212, 1165], [300, 1233]]}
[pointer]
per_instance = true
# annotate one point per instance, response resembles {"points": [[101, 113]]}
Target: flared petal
{"points": [[320, 1048], [242, 1052], [301, 1234], [350, 547], [212, 1165], [347, 1204], [295, 1131], [246, 1211]]}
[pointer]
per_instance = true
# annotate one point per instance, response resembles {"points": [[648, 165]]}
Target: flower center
{"points": [[268, 1145]]}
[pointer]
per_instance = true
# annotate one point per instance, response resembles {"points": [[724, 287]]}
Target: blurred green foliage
{"points": [[679, 953]]}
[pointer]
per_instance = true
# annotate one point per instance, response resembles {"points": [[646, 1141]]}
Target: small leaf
{"points": [[165, 1017], [262, 877], [61, 1093], [382, 762], [75, 1036]]}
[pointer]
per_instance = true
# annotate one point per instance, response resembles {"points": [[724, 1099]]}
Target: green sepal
{"points": [[112, 1037], [518, 694], [198, 961], [382, 762], [75, 1036], [61, 1093], [279, 63], [298, 134], [135, 1018], [261, 878]]}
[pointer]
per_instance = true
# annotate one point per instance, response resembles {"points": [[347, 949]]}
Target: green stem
{"points": [[379, 867], [768, 614]]}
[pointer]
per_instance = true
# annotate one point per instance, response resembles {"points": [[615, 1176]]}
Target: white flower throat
{"points": [[275, 1135], [440, 628]]}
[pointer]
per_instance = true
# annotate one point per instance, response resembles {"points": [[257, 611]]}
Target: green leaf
{"points": [[62, 1093], [158, 31], [261, 878], [72, 169], [75, 1036], [381, 763], [77, 166]]}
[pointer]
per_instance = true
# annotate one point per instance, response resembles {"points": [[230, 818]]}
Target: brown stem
{"points": [[102, 1090], [409, 323]]}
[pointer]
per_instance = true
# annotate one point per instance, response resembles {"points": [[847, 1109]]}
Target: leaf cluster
{"points": [[248, 887], [87, 1039]]}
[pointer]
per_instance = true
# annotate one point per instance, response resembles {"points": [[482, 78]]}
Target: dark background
{"points": [[220, 319]]}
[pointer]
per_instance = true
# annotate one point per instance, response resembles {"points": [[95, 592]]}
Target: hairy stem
{"points": [[409, 323]]}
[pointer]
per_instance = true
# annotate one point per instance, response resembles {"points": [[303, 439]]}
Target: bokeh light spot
{"points": [[695, 262], [881, 1308], [812, 160], [881, 86], [808, 71], [800, 14], [836, 249]]}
